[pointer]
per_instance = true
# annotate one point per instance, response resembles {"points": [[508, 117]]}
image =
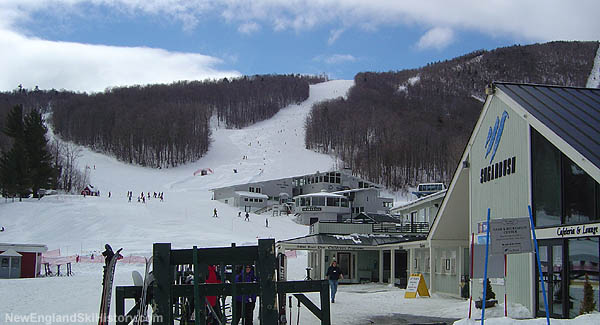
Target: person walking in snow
{"points": [[334, 273], [215, 214], [247, 217], [239, 214], [267, 222]]}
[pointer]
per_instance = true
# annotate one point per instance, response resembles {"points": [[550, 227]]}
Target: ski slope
{"points": [[274, 149]]}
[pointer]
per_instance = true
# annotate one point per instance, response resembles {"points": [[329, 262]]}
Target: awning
{"points": [[345, 242]]}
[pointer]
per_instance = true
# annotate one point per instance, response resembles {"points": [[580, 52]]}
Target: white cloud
{"points": [[335, 58], [532, 20], [85, 67], [248, 28], [334, 35], [32, 61], [437, 38]]}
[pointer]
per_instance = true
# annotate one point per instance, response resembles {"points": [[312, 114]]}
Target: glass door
{"points": [[551, 258]]}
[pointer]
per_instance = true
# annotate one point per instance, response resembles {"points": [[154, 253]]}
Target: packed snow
{"points": [[82, 225], [594, 78]]}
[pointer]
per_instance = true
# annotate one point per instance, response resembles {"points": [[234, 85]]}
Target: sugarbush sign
{"points": [[501, 168], [574, 231]]}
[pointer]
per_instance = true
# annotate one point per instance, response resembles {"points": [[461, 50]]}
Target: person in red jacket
{"points": [[213, 300]]}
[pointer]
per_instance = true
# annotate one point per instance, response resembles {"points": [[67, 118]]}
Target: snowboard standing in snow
{"points": [[142, 317], [109, 273]]}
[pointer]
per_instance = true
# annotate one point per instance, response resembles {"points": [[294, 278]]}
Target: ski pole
{"points": [[290, 307], [298, 321]]}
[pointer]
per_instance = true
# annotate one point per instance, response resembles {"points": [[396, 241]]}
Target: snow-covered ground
{"points": [[78, 225], [594, 78]]}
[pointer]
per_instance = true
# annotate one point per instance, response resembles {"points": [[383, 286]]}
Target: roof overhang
{"points": [[551, 136], [24, 248]]}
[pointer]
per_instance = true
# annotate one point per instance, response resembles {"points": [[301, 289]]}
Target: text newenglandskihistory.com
{"points": [[72, 318]]}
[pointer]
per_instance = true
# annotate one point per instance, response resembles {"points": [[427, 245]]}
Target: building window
{"points": [[333, 202], [246, 199], [318, 201], [579, 194], [251, 189], [562, 192], [583, 260], [546, 184], [344, 202], [258, 190]]}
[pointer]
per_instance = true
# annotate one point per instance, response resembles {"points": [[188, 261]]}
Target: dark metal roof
{"points": [[351, 240], [376, 218], [572, 113]]}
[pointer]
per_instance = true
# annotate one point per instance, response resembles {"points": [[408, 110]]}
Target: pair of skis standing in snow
{"points": [[109, 272]]}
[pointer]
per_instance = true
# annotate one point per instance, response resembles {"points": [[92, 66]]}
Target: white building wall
{"points": [[507, 196]]}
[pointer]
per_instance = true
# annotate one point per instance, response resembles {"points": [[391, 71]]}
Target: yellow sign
{"points": [[416, 284]]}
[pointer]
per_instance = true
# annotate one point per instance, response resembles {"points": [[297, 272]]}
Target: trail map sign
{"points": [[416, 284], [510, 236]]}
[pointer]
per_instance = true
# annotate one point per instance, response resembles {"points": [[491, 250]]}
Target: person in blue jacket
{"points": [[249, 301], [334, 273]]}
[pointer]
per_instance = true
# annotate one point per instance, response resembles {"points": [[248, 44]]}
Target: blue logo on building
{"points": [[494, 136]]}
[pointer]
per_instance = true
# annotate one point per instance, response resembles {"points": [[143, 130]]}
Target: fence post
{"points": [[266, 272], [163, 279], [325, 307]]}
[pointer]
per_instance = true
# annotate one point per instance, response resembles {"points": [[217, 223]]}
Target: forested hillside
{"points": [[160, 125], [405, 127]]}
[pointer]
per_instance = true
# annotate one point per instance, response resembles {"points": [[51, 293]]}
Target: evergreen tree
{"points": [[13, 173], [588, 304], [489, 292], [13, 165], [40, 170]]}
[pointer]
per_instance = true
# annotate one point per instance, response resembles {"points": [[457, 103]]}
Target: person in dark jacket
{"points": [[249, 301], [334, 273]]}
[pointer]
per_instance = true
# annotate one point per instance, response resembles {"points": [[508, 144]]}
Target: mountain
{"points": [[76, 224], [400, 128], [160, 125]]}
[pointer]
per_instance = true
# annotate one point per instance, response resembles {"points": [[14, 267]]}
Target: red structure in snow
{"points": [[20, 260], [90, 191]]}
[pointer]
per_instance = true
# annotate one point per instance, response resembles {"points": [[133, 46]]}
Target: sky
{"points": [[92, 45]]}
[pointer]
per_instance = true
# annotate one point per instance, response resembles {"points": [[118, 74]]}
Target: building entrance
{"points": [[565, 265], [551, 258]]}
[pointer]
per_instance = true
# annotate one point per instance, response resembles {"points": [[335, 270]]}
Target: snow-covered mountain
{"points": [[274, 148]]}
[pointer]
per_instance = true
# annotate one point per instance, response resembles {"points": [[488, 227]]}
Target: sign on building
{"points": [[495, 263], [510, 236]]}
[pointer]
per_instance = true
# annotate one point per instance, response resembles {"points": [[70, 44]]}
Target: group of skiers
{"points": [[245, 303], [247, 218], [142, 197]]}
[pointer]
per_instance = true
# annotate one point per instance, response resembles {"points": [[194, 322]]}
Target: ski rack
{"points": [[166, 293]]}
